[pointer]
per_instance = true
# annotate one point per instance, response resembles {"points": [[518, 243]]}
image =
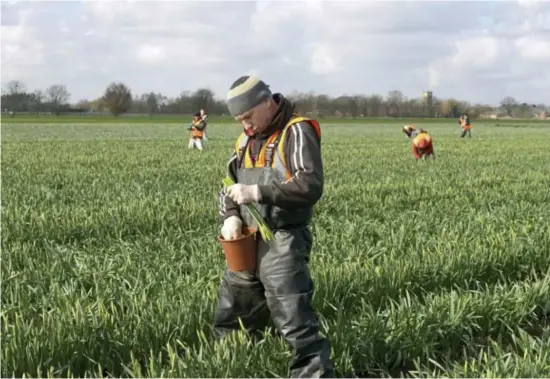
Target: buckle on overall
{"points": [[270, 153]]}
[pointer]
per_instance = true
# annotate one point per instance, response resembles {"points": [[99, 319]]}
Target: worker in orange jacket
{"points": [[464, 122], [423, 145], [197, 132]]}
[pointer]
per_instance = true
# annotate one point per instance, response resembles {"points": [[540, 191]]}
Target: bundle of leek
{"points": [[265, 231]]}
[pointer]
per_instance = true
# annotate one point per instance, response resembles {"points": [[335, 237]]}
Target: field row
{"points": [[110, 263]]}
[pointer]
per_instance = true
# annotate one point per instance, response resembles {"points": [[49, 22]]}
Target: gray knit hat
{"points": [[245, 93]]}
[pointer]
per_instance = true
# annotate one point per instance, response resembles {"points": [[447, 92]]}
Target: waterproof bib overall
{"points": [[280, 286]]}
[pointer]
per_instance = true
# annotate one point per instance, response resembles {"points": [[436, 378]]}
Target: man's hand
{"points": [[244, 194], [232, 228]]}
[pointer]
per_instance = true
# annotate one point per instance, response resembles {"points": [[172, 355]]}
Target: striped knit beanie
{"points": [[245, 93]]}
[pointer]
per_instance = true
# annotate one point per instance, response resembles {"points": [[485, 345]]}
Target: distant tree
{"points": [[35, 101], [395, 102], [202, 98], [353, 106], [375, 104], [84, 104], [445, 107], [15, 98], [152, 103], [97, 105], [117, 98], [57, 95], [342, 104], [15, 87], [508, 104]]}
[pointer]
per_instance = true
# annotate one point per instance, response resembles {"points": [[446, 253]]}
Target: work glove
{"points": [[232, 228], [243, 193]]}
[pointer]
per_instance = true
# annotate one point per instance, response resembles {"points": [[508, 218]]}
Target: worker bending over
{"points": [[423, 145]]}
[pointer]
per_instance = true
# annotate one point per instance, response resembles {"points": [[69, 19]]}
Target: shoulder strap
{"points": [[272, 146], [282, 136], [240, 147], [271, 149]]}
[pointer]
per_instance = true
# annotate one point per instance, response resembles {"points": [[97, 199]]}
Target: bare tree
{"points": [[15, 86], [117, 98], [35, 100], [509, 104], [353, 106], [202, 98], [57, 95], [375, 103], [395, 102], [152, 103]]}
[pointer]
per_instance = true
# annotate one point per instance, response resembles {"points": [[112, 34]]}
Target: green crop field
{"points": [[110, 263]]}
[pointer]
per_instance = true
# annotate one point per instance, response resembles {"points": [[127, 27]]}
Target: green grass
{"points": [[110, 263], [185, 119]]}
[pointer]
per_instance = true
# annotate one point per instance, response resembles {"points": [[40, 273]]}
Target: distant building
{"points": [[427, 100]]}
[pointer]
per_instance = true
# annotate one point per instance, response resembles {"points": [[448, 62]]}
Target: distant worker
{"points": [[197, 132], [423, 145], [464, 122], [204, 116]]}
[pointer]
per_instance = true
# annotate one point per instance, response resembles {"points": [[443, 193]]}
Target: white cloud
{"points": [[22, 49], [534, 48], [151, 54], [324, 60], [478, 51]]}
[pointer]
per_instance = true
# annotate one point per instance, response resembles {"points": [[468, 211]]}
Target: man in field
{"points": [[464, 122], [423, 145], [196, 132], [277, 166]]}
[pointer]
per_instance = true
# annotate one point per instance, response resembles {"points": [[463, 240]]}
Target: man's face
{"points": [[257, 119]]}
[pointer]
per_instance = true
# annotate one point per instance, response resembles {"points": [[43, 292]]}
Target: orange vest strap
{"points": [[274, 144], [291, 123]]}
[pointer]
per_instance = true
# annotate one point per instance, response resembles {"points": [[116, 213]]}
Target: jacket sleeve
{"points": [[303, 157], [228, 207]]}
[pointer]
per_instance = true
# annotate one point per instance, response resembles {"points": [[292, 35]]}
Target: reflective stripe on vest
{"points": [[272, 154]]}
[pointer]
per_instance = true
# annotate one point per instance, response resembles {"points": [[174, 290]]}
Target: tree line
{"points": [[118, 99]]}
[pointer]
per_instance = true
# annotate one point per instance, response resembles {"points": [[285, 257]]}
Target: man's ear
{"points": [[269, 102]]}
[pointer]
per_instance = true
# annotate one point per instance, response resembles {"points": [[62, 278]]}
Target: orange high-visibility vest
{"points": [[196, 133], [422, 136], [272, 153]]}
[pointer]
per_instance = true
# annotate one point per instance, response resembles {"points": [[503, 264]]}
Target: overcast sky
{"points": [[476, 51]]}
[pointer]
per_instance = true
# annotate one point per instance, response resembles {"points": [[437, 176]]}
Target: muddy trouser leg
{"points": [[463, 134], [284, 272], [241, 296]]}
